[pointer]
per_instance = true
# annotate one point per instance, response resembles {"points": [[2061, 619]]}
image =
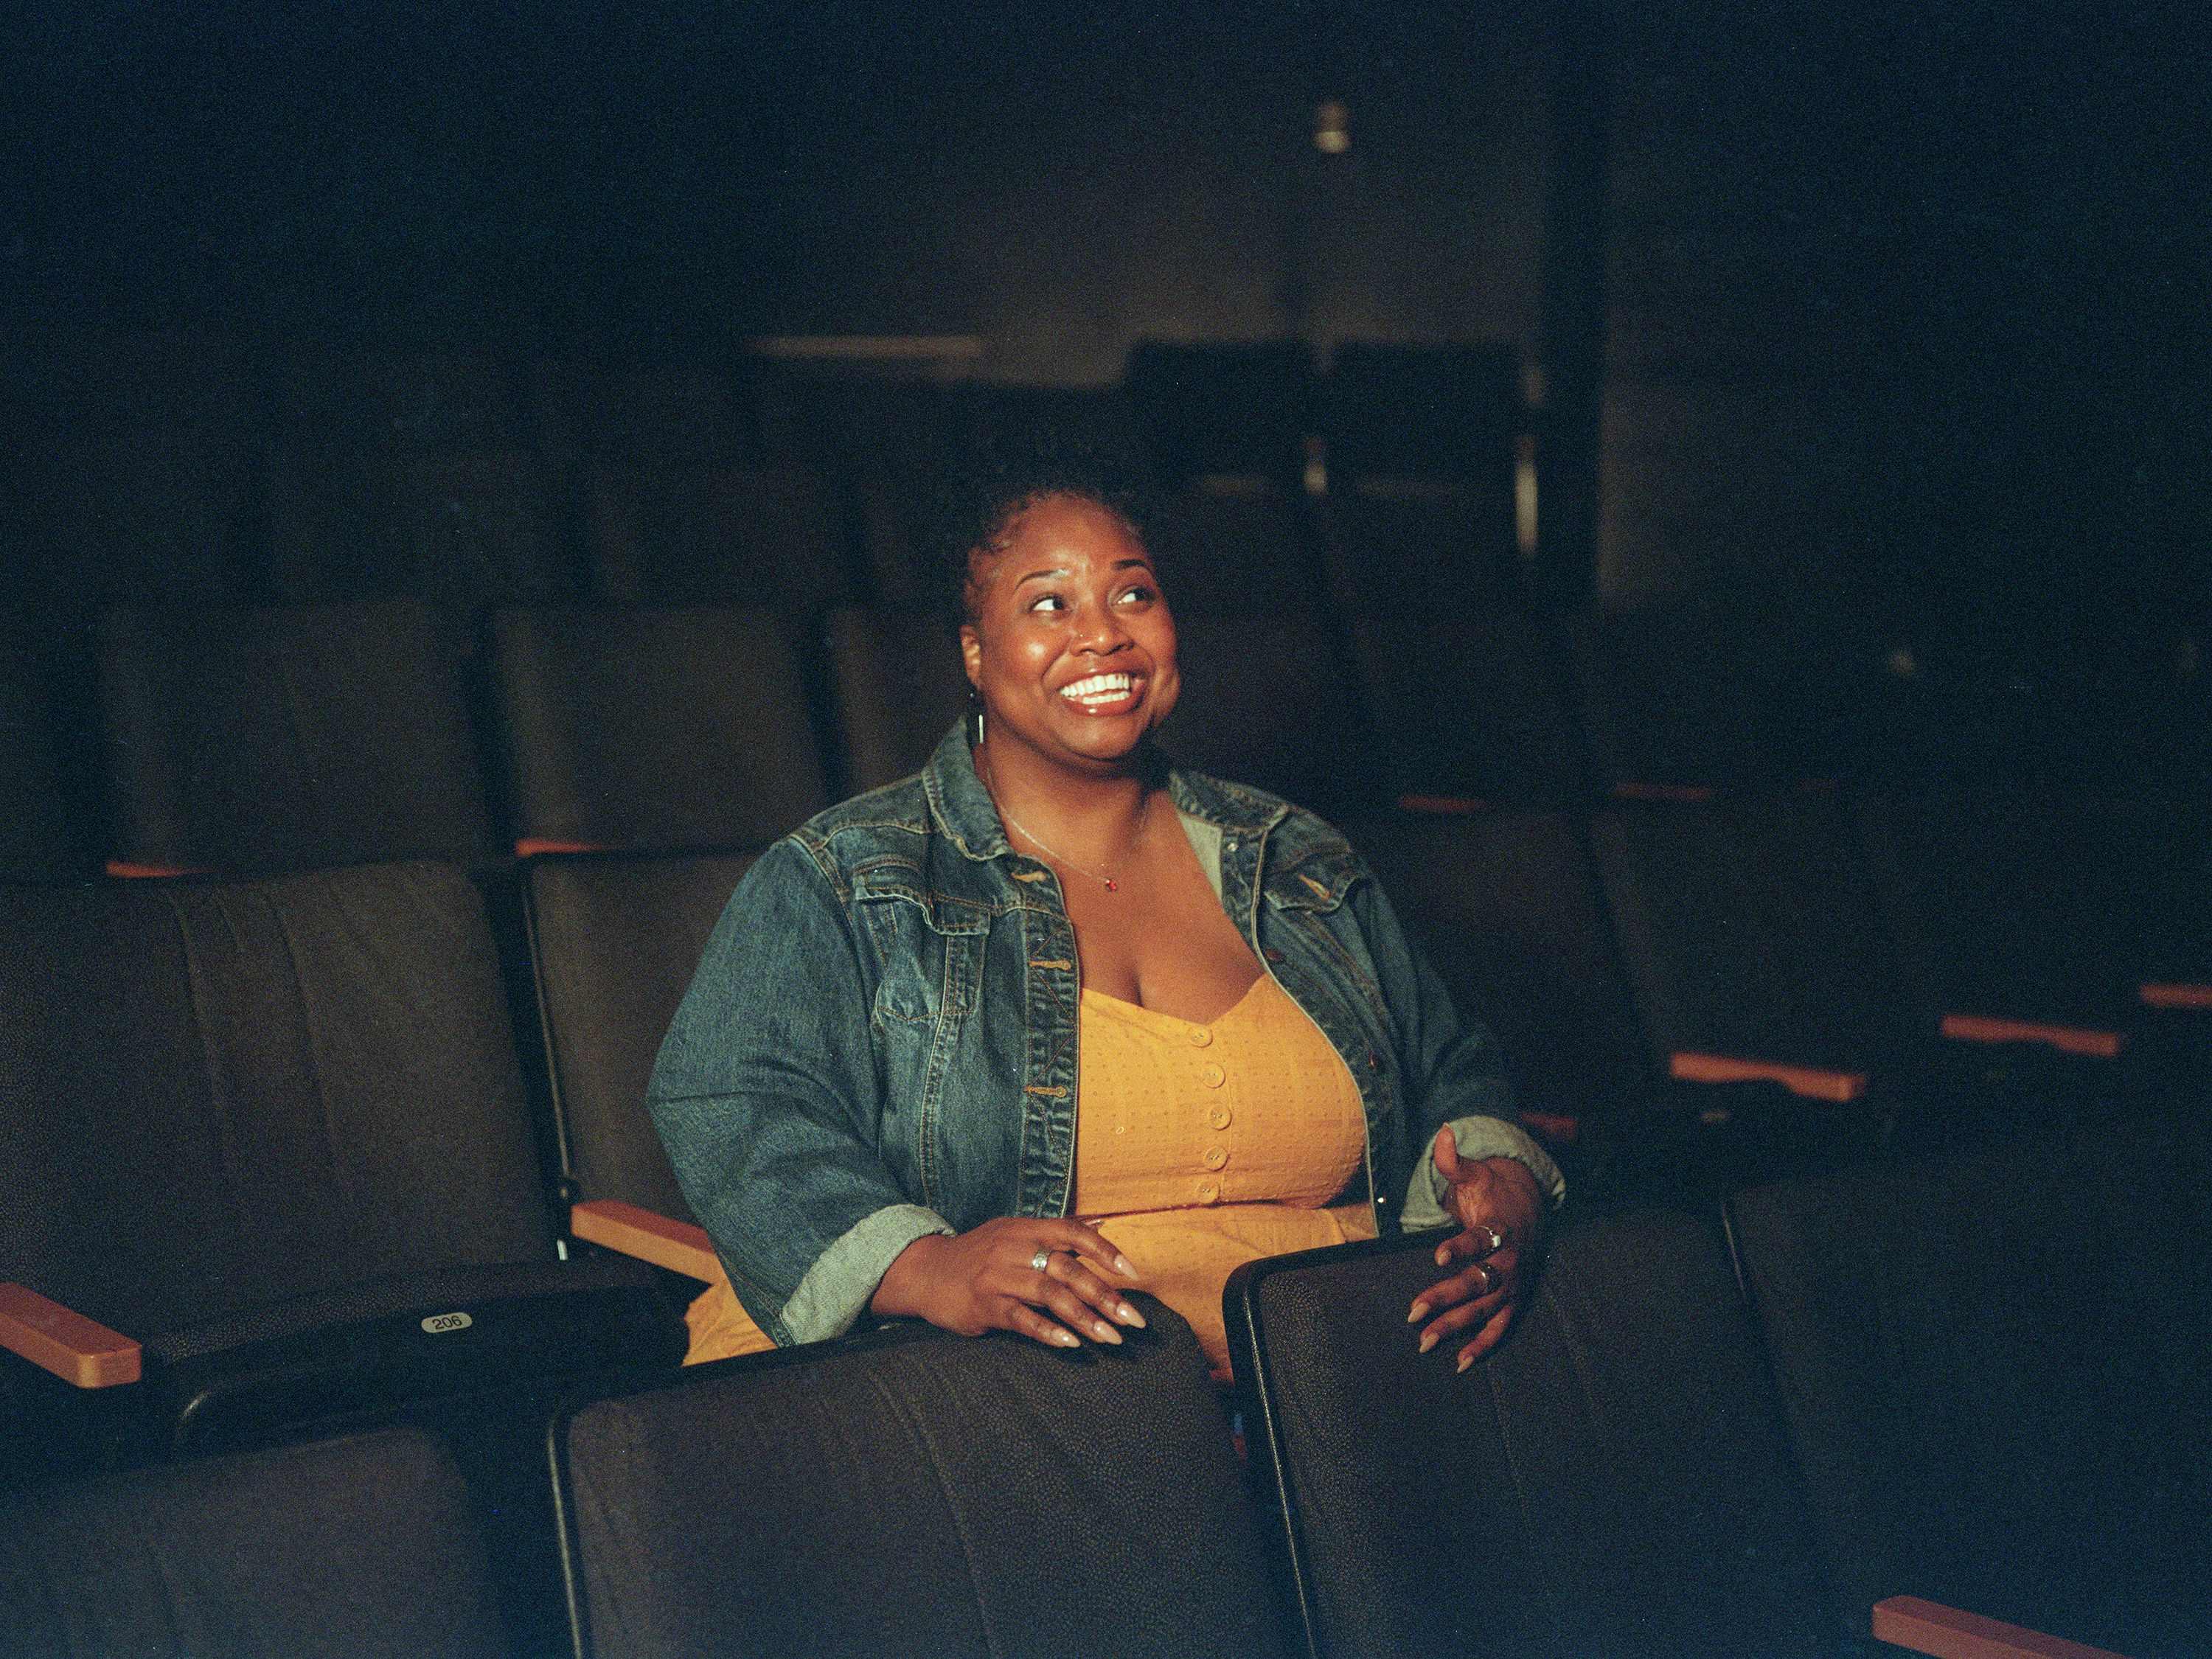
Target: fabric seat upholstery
{"points": [[287, 739], [1611, 1480], [1998, 1370], [349, 1549], [269, 1129], [917, 1493]]}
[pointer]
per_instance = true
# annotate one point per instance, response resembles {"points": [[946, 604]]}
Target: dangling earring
{"points": [[975, 719]]}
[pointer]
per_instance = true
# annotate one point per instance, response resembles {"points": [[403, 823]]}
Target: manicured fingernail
{"points": [[1105, 1331], [1128, 1315], [1465, 1360], [1122, 1266], [1068, 1339], [1428, 1341], [1417, 1313], [1443, 1256]]}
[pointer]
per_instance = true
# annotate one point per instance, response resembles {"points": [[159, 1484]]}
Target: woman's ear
{"points": [[971, 654]]}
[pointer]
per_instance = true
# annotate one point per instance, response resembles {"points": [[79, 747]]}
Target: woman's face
{"points": [[1072, 648]]}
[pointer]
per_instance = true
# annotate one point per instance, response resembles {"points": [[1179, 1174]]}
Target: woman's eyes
{"points": [[1137, 593]]}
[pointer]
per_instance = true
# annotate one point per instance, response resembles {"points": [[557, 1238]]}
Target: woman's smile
{"points": [[1102, 694]]}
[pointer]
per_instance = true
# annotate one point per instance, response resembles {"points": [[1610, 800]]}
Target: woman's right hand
{"points": [[988, 1279]]}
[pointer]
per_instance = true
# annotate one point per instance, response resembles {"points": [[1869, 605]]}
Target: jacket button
{"points": [[1229, 846], [1213, 1077], [1374, 1060], [1215, 1157]]}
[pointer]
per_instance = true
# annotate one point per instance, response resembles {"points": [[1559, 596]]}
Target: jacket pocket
{"points": [[1320, 882], [928, 948]]}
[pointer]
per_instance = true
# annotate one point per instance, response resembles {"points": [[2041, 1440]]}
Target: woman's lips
{"points": [[1111, 693], [1100, 694]]}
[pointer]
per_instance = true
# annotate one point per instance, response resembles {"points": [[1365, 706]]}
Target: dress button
{"points": [[1215, 1157], [1212, 1076], [1209, 1192], [1200, 1037], [1218, 1118]]}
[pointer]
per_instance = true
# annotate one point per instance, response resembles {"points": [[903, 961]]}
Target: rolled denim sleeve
{"points": [[766, 1096], [1453, 1072], [1477, 1138]]}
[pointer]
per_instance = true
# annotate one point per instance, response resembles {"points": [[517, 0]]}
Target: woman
{"points": [[871, 1091]]}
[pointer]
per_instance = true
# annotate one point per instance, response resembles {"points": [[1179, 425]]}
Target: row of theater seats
{"points": [[172, 468], [1921, 1399], [470, 483], [256, 738], [235, 1116]]}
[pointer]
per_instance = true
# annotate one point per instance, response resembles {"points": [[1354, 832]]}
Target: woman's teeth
{"points": [[1098, 689]]}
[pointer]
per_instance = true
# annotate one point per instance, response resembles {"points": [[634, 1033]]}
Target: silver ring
{"points": [[1489, 1278], [1038, 1261], [1496, 1239]]}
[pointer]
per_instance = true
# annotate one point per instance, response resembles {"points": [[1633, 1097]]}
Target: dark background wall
{"points": [[1894, 302]]}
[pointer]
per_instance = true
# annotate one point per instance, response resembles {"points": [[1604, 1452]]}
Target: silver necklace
{"points": [[1038, 841]]}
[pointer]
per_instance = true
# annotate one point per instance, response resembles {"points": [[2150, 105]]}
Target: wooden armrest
{"points": [[124, 870], [1929, 1627], [1444, 805], [82, 1352], [2176, 996], [2066, 1039], [531, 847], [1812, 1082], [679, 1246]]}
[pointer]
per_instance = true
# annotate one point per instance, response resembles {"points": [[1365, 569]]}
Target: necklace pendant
{"points": [[1112, 885]]}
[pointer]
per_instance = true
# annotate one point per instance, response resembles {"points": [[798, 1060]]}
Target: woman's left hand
{"points": [[1499, 1212]]}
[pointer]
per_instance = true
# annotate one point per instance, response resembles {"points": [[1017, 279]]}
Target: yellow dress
{"points": [[1201, 1147], [1197, 1147]]}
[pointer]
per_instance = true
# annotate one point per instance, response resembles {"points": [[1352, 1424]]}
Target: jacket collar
{"points": [[964, 814]]}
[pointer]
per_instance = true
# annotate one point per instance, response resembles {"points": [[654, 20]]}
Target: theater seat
{"points": [[1611, 1480], [898, 686], [643, 729], [717, 534], [1995, 1370], [274, 1133], [915, 1492], [458, 529], [285, 738], [613, 943], [352, 1548]]}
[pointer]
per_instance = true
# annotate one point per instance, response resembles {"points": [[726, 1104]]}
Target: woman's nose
{"points": [[1099, 629]]}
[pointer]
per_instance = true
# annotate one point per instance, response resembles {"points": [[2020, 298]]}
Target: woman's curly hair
{"points": [[976, 499]]}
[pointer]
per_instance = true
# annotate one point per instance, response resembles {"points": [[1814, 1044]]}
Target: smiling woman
{"points": [[1053, 1021]]}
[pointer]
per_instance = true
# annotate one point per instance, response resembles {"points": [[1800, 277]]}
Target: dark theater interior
{"points": [[1703, 497]]}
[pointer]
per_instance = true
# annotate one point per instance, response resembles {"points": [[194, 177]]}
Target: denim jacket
{"points": [[881, 1040]]}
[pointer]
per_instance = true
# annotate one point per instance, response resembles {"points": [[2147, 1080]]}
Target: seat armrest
{"points": [[1812, 1082], [2066, 1039], [2179, 995], [1444, 805], [679, 1246], [1943, 1633], [82, 1352]]}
